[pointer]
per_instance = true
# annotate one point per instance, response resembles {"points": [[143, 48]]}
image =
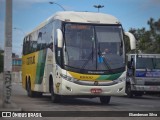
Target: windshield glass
{"points": [[109, 41], [93, 47], [148, 63]]}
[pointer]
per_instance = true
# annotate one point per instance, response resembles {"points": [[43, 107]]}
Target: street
{"points": [[19, 96], [145, 103]]}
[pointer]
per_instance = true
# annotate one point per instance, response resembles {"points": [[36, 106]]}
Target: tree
{"points": [[148, 41]]}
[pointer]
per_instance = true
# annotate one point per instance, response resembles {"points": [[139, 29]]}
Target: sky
{"points": [[27, 14]]}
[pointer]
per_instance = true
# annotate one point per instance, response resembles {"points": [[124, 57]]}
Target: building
{"points": [[16, 64], [16, 68]]}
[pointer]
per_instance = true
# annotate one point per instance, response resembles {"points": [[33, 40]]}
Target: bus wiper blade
{"points": [[89, 58]]}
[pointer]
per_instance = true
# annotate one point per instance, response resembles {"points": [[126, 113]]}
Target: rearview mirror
{"points": [[59, 38], [132, 40]]}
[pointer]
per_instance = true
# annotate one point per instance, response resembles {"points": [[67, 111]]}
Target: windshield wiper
{"points": [[89, 58]]}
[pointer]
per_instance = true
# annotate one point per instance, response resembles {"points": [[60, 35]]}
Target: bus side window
{"points": [[30, 44], [34, 46], [27, 45], [39, 41]]}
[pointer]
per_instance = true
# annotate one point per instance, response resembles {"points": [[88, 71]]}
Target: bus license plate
{"points": [[96, 90]]}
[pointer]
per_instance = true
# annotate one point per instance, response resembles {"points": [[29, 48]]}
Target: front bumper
{"points": [[70, 88]]}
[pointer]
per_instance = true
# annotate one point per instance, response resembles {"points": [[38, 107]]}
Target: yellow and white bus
{"points": [[79, 54]]}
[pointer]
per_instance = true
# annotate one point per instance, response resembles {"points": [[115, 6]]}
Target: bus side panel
{"points": [[29, 63], [33, 68]]}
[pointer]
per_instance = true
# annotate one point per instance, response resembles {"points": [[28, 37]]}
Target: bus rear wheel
{"points": [[105, 99], [54, 97], [30, 93]]}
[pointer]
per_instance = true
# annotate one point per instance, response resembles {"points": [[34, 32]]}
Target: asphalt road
{"points": [[145, 103]]}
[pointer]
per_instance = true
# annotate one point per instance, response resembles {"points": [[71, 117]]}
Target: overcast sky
{"points": [[27, 14]]}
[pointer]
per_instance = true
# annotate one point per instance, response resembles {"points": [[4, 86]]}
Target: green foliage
{"points": [[148, 41]]}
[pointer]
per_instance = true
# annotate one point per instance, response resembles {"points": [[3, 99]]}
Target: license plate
{"points": [[96, 90]]}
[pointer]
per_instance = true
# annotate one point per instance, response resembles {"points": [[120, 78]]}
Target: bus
{"points": [[76, 54], [143, 74]]}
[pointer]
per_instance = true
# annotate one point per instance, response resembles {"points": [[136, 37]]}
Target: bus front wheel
{"points": [[105, 99], [55, 98]]}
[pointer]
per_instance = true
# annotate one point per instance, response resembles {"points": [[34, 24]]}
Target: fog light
{"points": [[68, 88], [120, 89]]}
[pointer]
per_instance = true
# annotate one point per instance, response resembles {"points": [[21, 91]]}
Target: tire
{"points": [[30, 93], [105, 99], [128, 91], [38, 94], [55, 98]]}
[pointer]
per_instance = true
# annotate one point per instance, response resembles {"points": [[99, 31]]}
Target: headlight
{"points": [[68, 78], [119, 80]]}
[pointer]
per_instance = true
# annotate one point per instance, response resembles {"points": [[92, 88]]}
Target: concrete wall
{"points": [[16, 77]]}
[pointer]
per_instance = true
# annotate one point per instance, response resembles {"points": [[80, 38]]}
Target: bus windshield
{"points": [[148, 63], [93, 47]]}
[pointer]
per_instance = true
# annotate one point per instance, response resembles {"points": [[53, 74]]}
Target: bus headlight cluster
{"points": [[119, 80], [68, 78]]}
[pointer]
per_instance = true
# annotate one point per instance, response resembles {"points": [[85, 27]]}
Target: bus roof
{"points": [[86, 17], [81, 17]]}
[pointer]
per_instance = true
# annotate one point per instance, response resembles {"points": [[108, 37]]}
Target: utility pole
{"points": [[7, 79]]}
